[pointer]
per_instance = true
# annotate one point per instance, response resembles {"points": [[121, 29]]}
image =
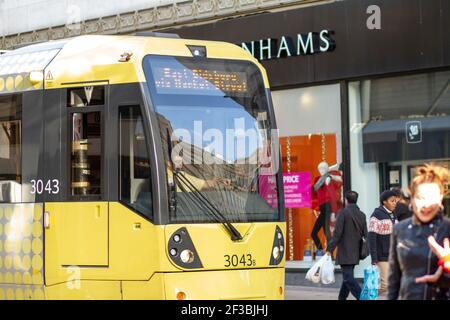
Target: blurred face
{"points": [[427, 201], [390, 203]]}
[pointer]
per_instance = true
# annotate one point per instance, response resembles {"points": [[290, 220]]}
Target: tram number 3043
{"points": [[41, 186], [246, 260]]}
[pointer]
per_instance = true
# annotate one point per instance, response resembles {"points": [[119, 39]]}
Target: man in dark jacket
{"points": [[381, 224], [350, 225]]}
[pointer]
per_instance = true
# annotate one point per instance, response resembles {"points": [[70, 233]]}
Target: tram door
{"points": [[77, 232]]}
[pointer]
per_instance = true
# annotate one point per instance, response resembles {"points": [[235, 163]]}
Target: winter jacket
{"points": [[346, 235], [380, 228], [411, 257]]}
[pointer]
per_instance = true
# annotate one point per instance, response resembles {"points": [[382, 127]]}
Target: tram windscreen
{"points": [[214, 120]]}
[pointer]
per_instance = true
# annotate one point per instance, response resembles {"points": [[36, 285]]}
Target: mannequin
{"points": [[325, 186]]}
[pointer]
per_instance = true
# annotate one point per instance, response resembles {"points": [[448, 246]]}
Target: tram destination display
{"points": [[179, 80]]}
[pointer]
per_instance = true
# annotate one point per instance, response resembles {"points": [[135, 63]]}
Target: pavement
{"points": [[298, 288], [312, 293]]}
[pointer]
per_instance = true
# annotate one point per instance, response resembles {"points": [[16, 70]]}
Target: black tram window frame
{"points": [[19, 96], [102, 109], [138, 106]]}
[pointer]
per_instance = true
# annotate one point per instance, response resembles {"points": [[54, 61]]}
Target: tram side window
{"points": [[86, 96], [135, 184], [86, 151], [10, 148]]}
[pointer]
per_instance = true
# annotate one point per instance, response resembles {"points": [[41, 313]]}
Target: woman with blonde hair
{"points": [[415, 270]]}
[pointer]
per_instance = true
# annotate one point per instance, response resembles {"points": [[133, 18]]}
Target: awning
{"points": [[407, 139]]}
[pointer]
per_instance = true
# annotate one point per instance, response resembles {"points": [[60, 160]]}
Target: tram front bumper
{"points": [[226, 284]]}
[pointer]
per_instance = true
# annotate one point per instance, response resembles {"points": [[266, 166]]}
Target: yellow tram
{"points": [[122, 176]]}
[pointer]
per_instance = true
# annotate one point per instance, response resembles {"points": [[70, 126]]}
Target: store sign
{"points": [[268, 190], [302, 44], [297, 190], [413, 132]]}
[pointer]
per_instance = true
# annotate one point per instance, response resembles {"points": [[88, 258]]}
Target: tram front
{"points": [[221, 177]]}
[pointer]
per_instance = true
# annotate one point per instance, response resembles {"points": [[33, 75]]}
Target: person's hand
{"points": [[439, 251], [217, 182], [430, 277]]}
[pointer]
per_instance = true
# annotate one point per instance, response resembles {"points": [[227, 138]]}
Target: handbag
{"points": [[363, 244]]}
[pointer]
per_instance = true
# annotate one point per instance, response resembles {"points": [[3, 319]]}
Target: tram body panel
{"points": [[133, 246], [78, 233], [96, 58], [84, 290], [152, 289], [227, 284], [217, 251], [21, 251]]}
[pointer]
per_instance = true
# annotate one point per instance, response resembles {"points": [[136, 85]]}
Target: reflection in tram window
{"points": [[135, 188], [214, 122], [10, 148], [86, 96], [86, 154]]}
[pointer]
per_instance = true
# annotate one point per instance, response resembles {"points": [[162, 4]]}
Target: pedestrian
{"points": [[401, 211], [415, 272], [381, 224], [350, 227]]}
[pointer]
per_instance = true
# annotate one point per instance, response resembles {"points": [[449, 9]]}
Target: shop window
{"points": [[10, 148], [135, 184], [86, 151], [309, 120]]}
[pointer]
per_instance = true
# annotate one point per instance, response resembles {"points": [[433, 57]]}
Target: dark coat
{"points": [[402, 212], [411, 257], [380, 229], [346, 236]]}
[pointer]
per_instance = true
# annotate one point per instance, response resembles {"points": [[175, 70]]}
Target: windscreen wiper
{"points": [[212, 209], [200, 199]]}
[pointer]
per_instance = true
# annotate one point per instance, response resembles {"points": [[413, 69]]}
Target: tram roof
{"points": [[89, 59]]}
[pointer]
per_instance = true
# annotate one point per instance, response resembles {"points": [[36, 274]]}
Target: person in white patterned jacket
{"points": [[381, 225]]}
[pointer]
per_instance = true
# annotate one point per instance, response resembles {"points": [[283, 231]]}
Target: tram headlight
{"points": [[278, 248], [177, 238], [187, 256], [276, 253], [181, 250]]}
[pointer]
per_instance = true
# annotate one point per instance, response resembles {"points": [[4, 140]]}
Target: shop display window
{"points": [[309, 120]]}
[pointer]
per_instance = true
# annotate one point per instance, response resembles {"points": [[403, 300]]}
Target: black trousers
{"points": [[349, 283], [323, 221]]}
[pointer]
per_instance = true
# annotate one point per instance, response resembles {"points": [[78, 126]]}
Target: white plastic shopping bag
{"points": [[327, 273], [313, 273]]}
